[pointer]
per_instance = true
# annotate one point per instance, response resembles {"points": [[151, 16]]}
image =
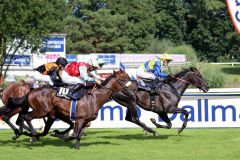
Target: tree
{"points": [[114, 26], [23, 25]]}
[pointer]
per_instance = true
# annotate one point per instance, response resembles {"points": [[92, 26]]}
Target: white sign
{"points": [[234, 11]]}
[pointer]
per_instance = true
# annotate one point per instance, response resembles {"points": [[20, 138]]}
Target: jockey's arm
{"points": [[96, 76], [84, 74], [157, 71]]}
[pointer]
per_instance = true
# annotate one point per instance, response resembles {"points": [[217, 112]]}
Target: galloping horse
{"points": [[45, 103], [13, 98], [170, 93]]}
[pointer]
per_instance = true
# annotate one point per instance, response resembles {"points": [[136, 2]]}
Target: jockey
{"points": [[77, 73], [47, 72], [152, 69]]}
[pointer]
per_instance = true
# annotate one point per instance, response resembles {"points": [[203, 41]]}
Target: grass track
{"points": [[128, 144]]}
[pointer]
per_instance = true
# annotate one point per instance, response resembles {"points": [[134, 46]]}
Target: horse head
{"points": [[193, 76], [119, 80]]}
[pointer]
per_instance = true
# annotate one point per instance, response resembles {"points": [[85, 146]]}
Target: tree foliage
{"points": [[120, 26], [23, 24]]}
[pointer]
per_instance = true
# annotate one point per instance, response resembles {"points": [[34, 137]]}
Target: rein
{"points": [[183, 80], [118, 80]]}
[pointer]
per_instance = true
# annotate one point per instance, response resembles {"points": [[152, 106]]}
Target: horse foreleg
{"points": [[184, 125], [131, 116], [68, 121], [48, 125], [165, 119], [28, 119], [78, 129]]}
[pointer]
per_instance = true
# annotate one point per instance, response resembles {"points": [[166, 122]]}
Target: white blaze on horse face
{"points": [[128, 83]]}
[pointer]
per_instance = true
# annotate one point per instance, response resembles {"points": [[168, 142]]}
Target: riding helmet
{"points": [[61, 61]]}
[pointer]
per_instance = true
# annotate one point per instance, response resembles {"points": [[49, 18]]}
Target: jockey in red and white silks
{"points": [[77, 72]]}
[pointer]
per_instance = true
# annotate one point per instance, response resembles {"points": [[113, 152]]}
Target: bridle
{"points": [[121, 82], [183, 80]]}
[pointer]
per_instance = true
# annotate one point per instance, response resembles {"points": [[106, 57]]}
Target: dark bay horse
{"points": [[45, 103], [170, 93]]}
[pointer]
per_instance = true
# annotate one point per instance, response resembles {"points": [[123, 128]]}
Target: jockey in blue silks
{"points": [[152, 69]]}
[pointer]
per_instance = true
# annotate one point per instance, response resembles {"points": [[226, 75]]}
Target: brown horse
{"points": [[170, 93], [45, 103], [13, 97], [15, 102]]}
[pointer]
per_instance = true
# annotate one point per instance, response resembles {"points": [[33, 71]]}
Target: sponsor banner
{"points": [[71, 57], [234, 11], [205, 111], [22, 60], [55, 44]]}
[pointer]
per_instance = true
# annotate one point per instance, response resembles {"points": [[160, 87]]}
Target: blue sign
{"points": [[71, 58], [55, 44], [23, 60], [108, 59]]}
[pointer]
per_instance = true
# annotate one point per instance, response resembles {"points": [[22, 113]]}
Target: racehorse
{"points": [[170, 92], [14, 100], [45, 103]]}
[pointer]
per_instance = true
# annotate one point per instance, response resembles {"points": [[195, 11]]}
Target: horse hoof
{"points": [[33, 139], [16, 136], [155, 134], [180, 130], [77, 146], [153, 120], [145, 132], [56, 131]]}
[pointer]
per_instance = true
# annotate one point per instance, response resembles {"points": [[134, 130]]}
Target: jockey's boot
{"points": [[153, 87], [74, 90]]}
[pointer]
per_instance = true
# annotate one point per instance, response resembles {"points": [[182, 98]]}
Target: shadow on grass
{"points": [[49, 142], [91, 132], [142, 137]]}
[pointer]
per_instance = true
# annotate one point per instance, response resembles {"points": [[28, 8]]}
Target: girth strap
{"points": [[152, 101], [73, 110]]}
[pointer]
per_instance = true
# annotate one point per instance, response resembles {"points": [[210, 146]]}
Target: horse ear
{"points": [[193, 69]]}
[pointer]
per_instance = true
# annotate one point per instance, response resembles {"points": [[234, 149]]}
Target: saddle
{"points": [[146, 85]]}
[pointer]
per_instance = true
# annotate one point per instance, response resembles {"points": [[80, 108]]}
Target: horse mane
{"points": [[185, 71], [182, 72], [107, 79]]}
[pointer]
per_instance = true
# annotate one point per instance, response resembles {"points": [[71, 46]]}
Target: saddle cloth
{"points": [[63, 91]]}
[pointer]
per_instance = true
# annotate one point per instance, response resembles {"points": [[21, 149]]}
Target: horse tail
{"points": [[17, 102]]}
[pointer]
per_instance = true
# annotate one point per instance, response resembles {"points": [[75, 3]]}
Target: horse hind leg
{"points": [[165, 119], [15, 130], [132, 117]]}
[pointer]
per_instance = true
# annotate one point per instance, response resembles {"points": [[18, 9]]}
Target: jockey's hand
{"points": [[170, 77], [98, 81]]}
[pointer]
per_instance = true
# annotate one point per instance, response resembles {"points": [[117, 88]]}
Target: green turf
{"points": [[128, 144]]}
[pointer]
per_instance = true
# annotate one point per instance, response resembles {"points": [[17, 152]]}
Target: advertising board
{"points": [[205, 111]]}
